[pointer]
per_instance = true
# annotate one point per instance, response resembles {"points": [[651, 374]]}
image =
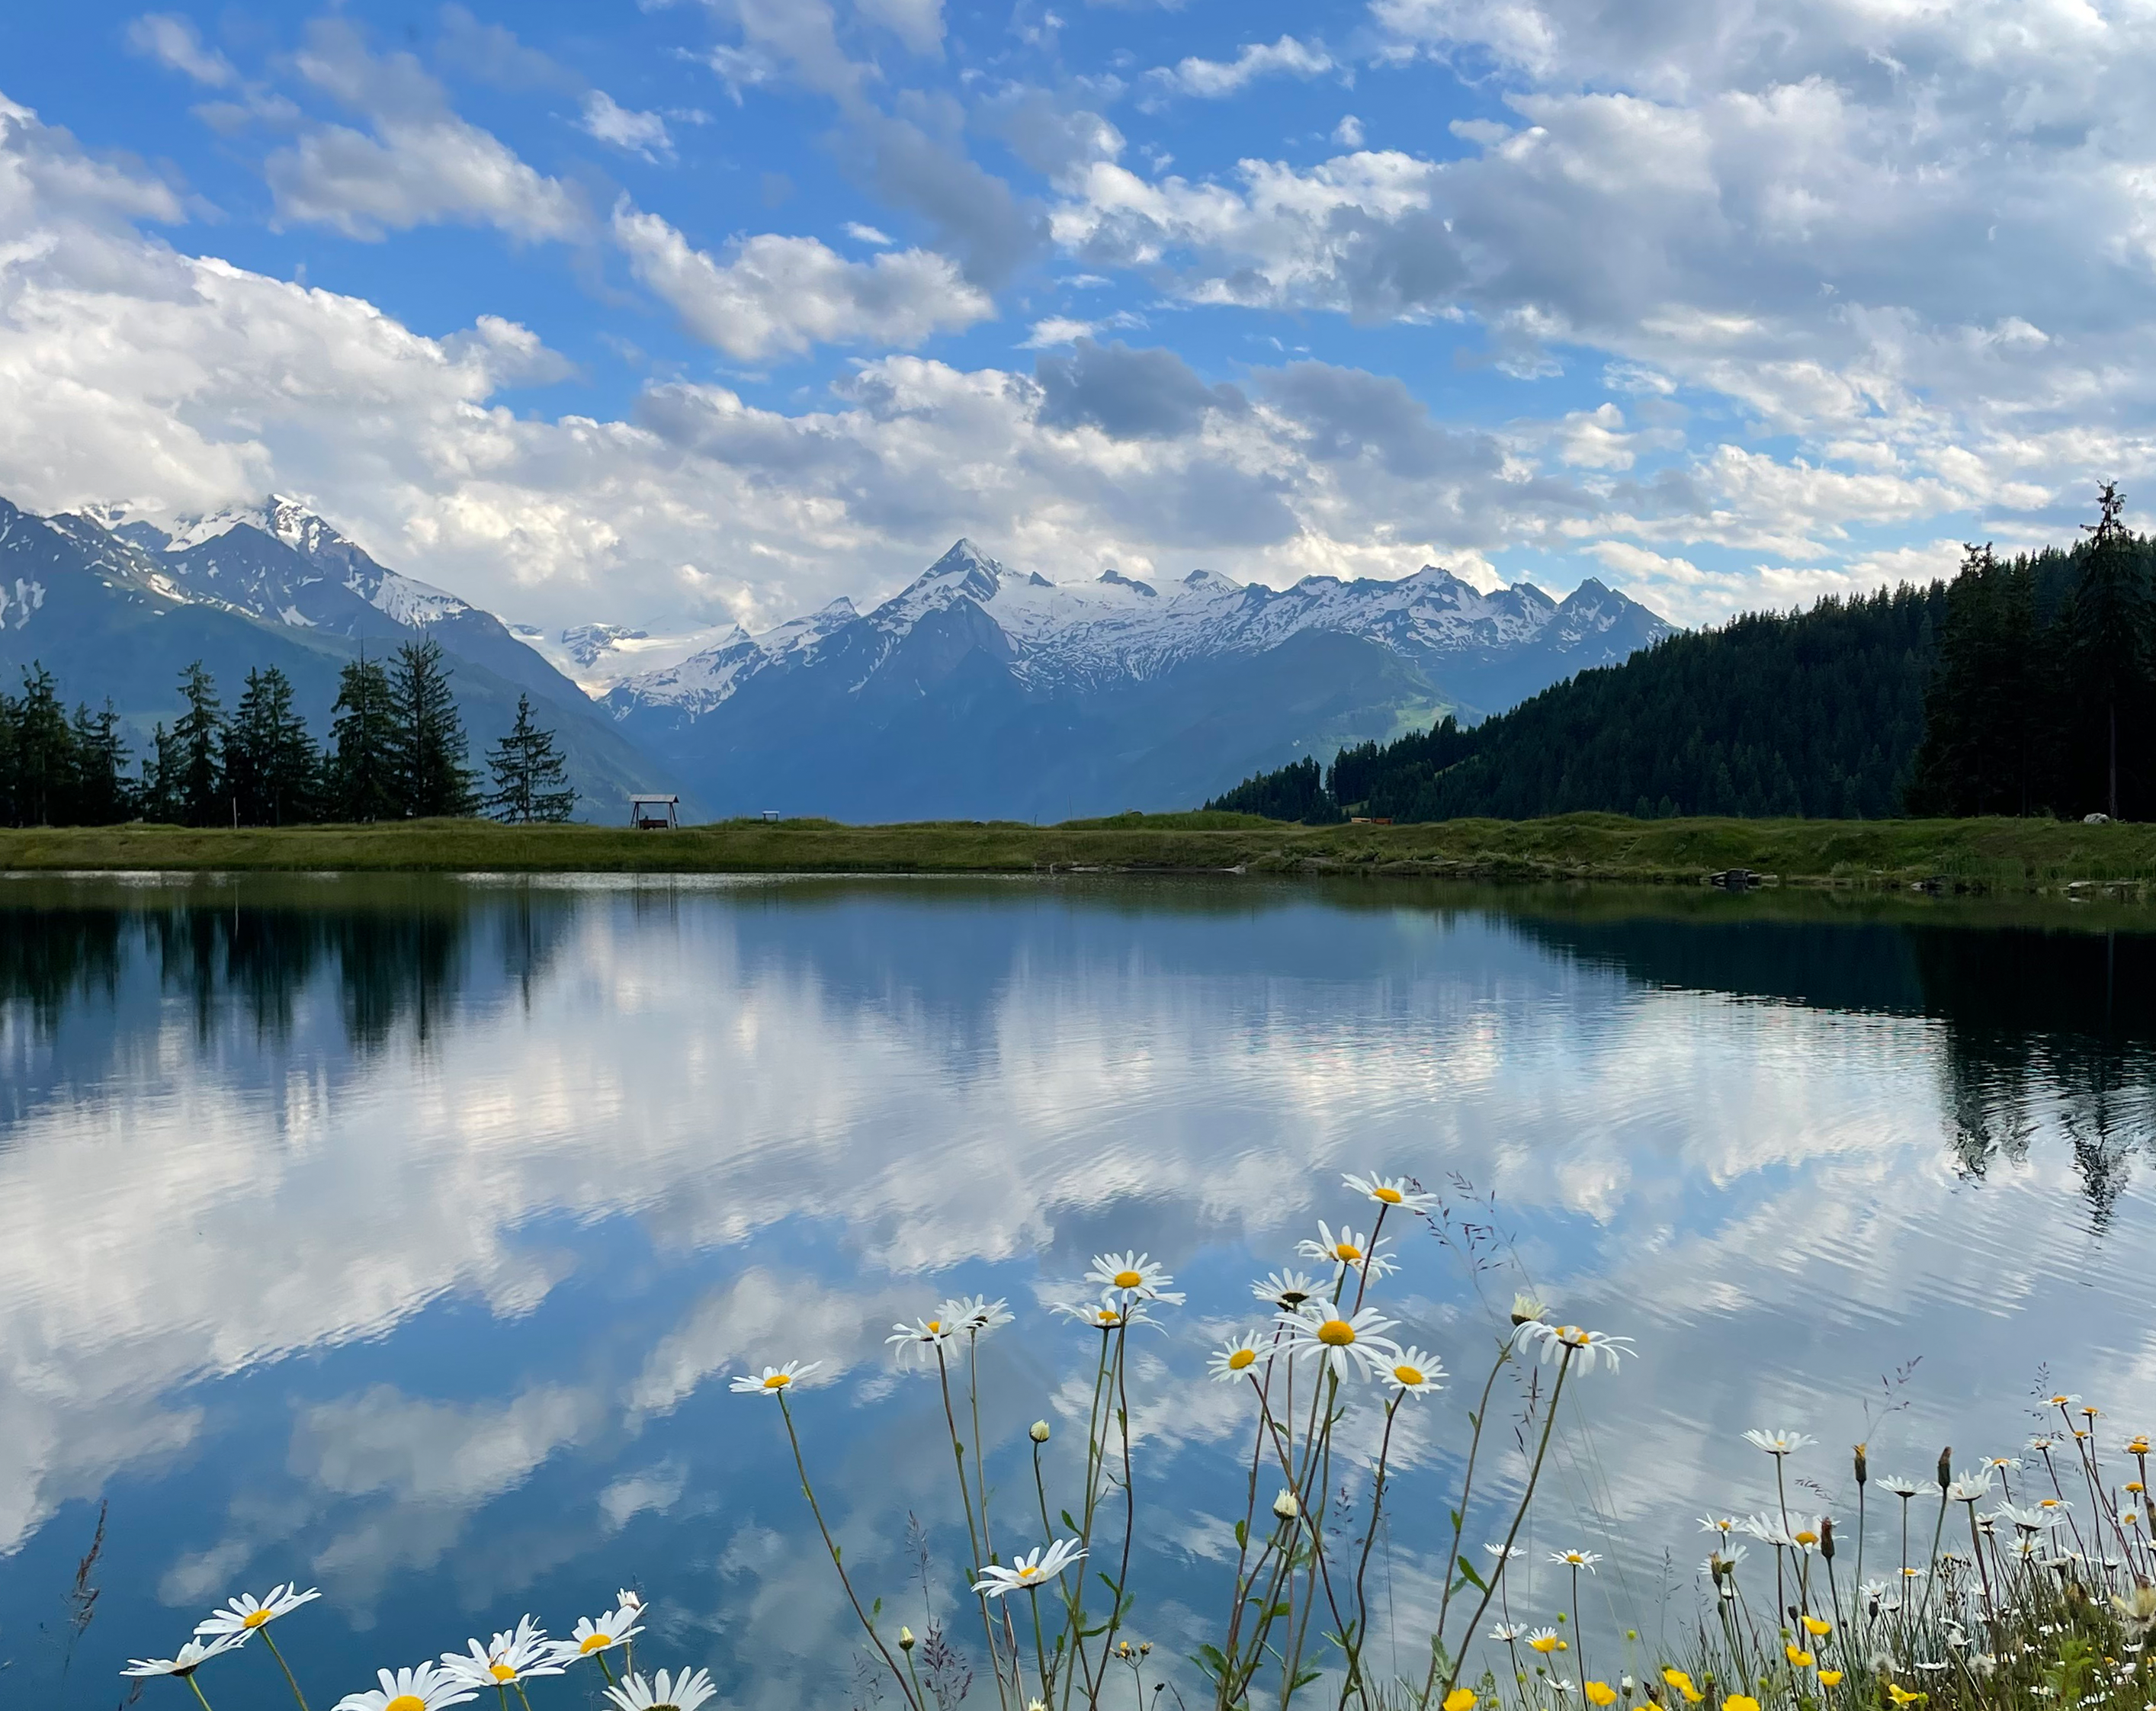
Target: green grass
{"points": [[1980, 855]]}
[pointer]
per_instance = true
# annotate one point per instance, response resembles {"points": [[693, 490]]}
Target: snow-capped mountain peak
{"points": [[324, 580], [1090, 636]]}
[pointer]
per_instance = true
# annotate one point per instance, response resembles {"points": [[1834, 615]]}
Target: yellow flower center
{"points": [[1547, 1644], [1241, 1358], [2047, 1503], [1347, 1250], [1336, 1333], [1808, 1537], [1027, 1576], [597, 1642], [1390, 1196], [501, 1673], [255, 1618], [406, 1702], [1109, 1316], [936, 1326], [777, 1381], [1410, 1375], [1129, 1280]]}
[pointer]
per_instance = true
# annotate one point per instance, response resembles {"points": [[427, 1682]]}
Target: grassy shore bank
{"points": [[1994, 855]]}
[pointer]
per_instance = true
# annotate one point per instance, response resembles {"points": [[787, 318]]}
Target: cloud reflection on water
{"points": [[439, 1209]]}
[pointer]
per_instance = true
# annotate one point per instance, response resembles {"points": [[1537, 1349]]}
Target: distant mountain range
{"points": [[976, 692], [115, 606], [981, 691]]}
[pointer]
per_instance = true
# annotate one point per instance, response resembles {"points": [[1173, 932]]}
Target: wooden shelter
{"points": [[654, 813]]}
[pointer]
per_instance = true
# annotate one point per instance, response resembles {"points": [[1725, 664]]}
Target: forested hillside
{"points": [[2024, 686]]}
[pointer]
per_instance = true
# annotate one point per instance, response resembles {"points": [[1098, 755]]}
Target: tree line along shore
{"points": [[1995, 854]]}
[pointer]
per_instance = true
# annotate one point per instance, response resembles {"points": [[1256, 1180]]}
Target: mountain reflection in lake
{"points": [[400, 1234]]}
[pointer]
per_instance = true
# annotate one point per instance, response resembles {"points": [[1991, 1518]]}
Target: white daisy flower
{"points": [[428, 1687], [1321, 1332], [188, 1659], [515, 1653], [922, 1337], [683, 1691], [1106, 1314], [974, 1315], [1237, 1359], [1588, 1346], [1970, 1487], [246, 1613], [773, 1381], [1412, 1372], [1901, 1485], [1501, 1552], [2030, 1517], [1286, 1290], [1576, 1558], [1392, 1191], [1349, 1250], [1779, 1443], [1768, 1530], [1036, 1568], [1506, 1632], [1723, 1524], [1134, 1275], [602, 1633]]}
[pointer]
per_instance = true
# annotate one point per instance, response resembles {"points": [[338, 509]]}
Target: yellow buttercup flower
{"points": [[1902, 1696], [1799, 1657], [1830, 1678], [1600, 1694], [1740, 1702], [1460, 1699], [1683, 1684], [1818, 1626]]}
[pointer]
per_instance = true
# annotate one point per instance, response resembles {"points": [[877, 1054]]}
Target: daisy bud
{"points": [[1826, 1537], [1863, 1466], [905, 1639], [1285, 1507], [1039, 1432]]}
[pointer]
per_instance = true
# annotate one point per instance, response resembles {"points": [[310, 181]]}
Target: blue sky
{"points": [[674, 313]]}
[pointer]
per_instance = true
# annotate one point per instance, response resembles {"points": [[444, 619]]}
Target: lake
{"points": [[401, 1234]]}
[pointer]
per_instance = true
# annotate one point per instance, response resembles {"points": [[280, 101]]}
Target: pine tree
{"points": [[102, 795], [427, 737], [160, 794], [198, 791], [44, 753], [2107, 640], [529, 782], [361, 765], [270, 762]]}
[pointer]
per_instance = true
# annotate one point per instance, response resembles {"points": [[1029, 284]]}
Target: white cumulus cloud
{"points": [[776, 296], [1213, 79]]}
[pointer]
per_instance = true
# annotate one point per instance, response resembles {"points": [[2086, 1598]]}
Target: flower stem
{"points": [[197, 1686], [288, 1681], [853, 1598]]}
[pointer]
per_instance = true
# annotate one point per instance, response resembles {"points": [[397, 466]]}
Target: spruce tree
{"points": [[198, 790], [2107, 641], [102, 795], [361, 765], [270, 762], [529, 782], [427, 737], [160, 794], [44, 753]]}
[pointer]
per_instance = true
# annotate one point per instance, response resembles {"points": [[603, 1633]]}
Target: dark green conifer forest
{"points": [[2022, 686], [397, 749]]}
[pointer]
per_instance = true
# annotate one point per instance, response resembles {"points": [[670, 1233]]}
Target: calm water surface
{"points": [[401, 1234]]}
